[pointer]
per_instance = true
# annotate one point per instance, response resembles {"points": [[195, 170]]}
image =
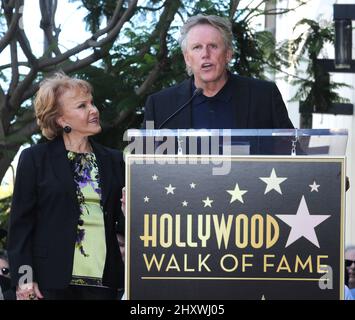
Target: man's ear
{"points": [[186, 58]]}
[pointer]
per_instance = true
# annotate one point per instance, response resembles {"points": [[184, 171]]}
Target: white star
{"points": [[207, 202], [155, 177], [314, 186], [237, 194], [302, 224], [273, 182], [184, 203], [170, 189], [146, 199], [192, 185]]}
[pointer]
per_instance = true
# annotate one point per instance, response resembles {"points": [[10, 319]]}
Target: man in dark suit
{"points": [[226, 100]]}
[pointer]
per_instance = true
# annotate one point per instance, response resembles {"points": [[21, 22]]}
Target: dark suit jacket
{"points": [[257, 105], [45, 213]]}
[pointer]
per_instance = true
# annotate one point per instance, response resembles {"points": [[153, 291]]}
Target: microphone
{"points": [[197, 92]]}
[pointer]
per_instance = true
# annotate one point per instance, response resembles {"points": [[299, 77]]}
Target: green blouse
{"points": [[90, 247]]}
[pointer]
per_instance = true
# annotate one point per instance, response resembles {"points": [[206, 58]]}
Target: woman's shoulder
{"points": [[35, 149]]}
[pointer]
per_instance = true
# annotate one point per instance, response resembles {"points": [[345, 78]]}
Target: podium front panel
{"points": [[225, 228]]}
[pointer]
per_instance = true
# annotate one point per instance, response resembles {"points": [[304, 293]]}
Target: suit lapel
{"points": [[61, 167], [105, 170], [241, 101]]}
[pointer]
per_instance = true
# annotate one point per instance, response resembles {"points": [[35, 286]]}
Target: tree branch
{"points": [[74, 66], [9, 65], [150, 8], [233, 8], [111, 35], [14, 67], [153, 75], [47, 24], [26, 47], [12, 24], [167, 16], [115, 18], [17, 97]]}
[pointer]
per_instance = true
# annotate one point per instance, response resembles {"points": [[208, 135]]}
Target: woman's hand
{"points": [[28, 291], [123, 201]]}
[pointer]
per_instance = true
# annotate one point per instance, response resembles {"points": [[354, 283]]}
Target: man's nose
{"points": [[205, 51]]}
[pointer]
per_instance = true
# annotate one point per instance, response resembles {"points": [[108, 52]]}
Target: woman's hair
{"points": [[47, 101], [221, 24]]}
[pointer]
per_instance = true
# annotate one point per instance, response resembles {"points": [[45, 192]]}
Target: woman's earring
{"points": [[67, 129]]}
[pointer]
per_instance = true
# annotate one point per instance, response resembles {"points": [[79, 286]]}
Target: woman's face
{"points": [[79, 113], [4, 268], [350, 266]]}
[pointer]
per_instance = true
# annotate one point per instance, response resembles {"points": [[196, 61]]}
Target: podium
{"points": [[235, 214]]}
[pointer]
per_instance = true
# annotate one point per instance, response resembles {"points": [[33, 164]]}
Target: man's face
{"points": [[350, 257], [206, 55]]}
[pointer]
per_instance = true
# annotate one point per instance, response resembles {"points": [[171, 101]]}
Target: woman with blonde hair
{"points": [[66, 204]]}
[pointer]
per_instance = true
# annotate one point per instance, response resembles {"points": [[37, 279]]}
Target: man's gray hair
{"points": [[221, 24]]}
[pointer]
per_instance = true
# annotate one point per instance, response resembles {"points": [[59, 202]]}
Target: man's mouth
{"points": [[206, 66]]}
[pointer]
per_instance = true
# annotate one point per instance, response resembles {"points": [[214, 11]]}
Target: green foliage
{"points": [[316, 92], [97, 11], [4, 217], [141, 49], [249, 56]]}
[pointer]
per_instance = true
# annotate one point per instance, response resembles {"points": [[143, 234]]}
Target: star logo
{"points": [[146, 199], [302, 224], [207, 202], [237, 194], [184, 203], [170, 189], [155, 177], [314, 186], [192, 185], [273, 182]]}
